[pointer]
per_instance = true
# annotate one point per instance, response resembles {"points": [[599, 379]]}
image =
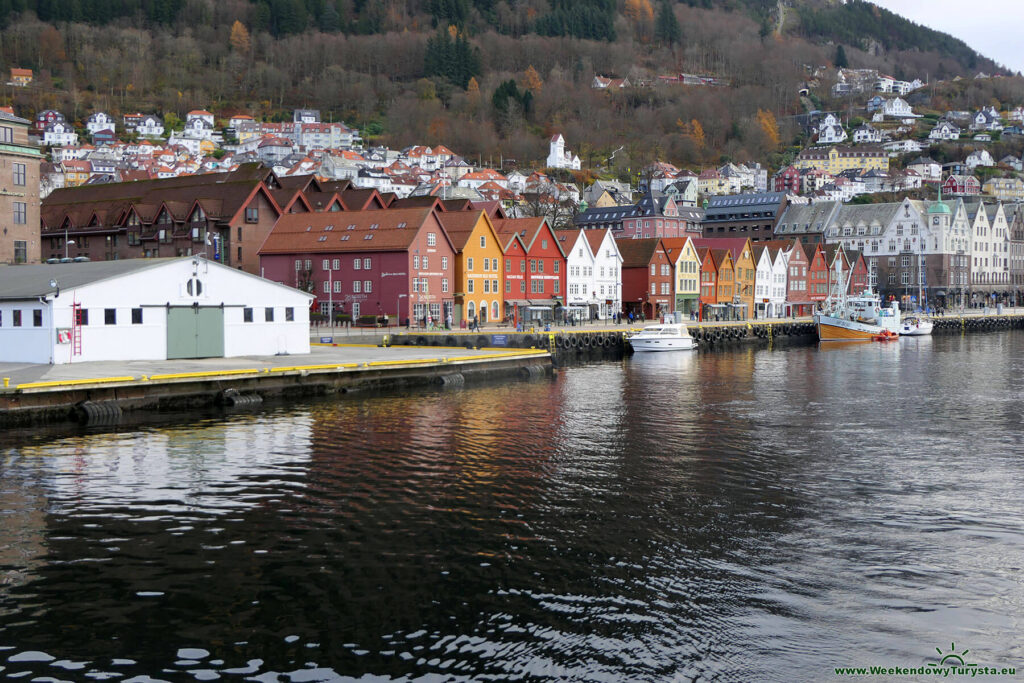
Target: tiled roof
{"points": [[392, 230], [638, 253], [460, 225]]}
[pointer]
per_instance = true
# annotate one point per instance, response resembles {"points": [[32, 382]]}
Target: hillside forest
{"points": [[490, 79]]}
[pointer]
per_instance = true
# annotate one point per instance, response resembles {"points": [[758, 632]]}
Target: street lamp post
{"points": [[67, 243], [398, 308]]}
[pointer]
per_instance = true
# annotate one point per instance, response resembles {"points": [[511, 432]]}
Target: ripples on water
{"points": [[730, 516]]}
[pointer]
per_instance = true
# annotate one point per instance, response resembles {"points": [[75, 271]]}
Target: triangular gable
{"points": [[545, 226], [259, 188], [298, 201]]}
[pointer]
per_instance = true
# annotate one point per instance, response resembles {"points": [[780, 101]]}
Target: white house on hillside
{"points": [[944, 130], [830, 130], [979, 157], [559, 156], [100, 121]]}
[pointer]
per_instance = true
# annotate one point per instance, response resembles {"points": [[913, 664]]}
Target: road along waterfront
{"points": [[733, 516]]}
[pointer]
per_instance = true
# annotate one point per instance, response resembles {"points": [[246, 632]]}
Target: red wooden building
{"points": [[798, 301], [708, 281], [535, 267], [366, 263], [818, 275], [647, 278]]}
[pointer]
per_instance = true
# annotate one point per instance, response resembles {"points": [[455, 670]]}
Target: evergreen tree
{"points": [[666, 26], [841, 61], [455, 61], [330, 20]]}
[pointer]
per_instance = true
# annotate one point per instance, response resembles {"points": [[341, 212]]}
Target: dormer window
{"points": [[164, 218]]}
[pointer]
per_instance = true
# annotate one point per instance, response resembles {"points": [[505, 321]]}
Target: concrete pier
{"points": [[34, 394]]}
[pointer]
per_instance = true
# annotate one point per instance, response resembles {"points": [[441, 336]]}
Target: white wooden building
{"points": [[593, 273], [146, 309]]}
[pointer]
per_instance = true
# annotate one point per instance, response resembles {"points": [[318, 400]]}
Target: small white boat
{"points": [[663, 337], [915, 327]]}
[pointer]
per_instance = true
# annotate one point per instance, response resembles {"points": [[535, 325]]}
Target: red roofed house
{"points": [[20, 77], [398, 263]]}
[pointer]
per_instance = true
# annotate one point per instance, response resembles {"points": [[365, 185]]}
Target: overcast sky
{"points": [[991, 27]]}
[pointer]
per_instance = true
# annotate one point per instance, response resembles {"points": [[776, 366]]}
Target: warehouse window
{"points": [[37, 317], [289, 314], [268, 314], [17, 318], [247, 315], [109, 316], [136, 316]]}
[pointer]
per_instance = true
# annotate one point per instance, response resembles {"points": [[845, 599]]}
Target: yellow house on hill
{"points": [[834, 160], [479, 261]]}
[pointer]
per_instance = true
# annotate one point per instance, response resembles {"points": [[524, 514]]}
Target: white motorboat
{"points": [[915, 327], [663, 337]]}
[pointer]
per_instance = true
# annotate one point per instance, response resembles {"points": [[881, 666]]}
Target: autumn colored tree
{"points": [[692, 130], [641, 15], [239, 38], [769, 125], [531, 80]]}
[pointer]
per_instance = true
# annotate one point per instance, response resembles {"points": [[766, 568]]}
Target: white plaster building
{"points": [[150, 127], [146, 309], [979, 157], [990, 247], [866, 133], [559, 156], [830, 131], [101, 120], [944, 130], [60, 133]]}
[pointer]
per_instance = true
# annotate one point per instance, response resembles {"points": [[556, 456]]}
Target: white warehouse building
{"points": [[146, 309]]}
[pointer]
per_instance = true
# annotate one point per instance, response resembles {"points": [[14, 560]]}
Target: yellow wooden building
{"points": [[687, 263], [479, 263]]}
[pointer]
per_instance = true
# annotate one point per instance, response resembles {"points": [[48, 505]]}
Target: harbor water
{"points": [[747, 515]]}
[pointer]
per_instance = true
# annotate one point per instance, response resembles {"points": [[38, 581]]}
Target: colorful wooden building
{"points": [[708, 298], [647, 274], [818, 275], [687, 266], [480, 282], [541, 264], [398, 263]]}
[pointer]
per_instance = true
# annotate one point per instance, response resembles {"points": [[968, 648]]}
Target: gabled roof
{"points": [[735, 245], [460, 226], [371, 231], [596, 238], [526, 229], [568, 238], [638, 253]]}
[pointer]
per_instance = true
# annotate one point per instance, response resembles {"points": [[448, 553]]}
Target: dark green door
{"points": [[195, 332]]}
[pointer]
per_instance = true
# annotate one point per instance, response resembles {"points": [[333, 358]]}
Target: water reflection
{"points": [[728, 516]]}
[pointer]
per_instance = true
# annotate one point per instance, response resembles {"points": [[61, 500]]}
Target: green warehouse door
{"points": [[195, 332]]}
